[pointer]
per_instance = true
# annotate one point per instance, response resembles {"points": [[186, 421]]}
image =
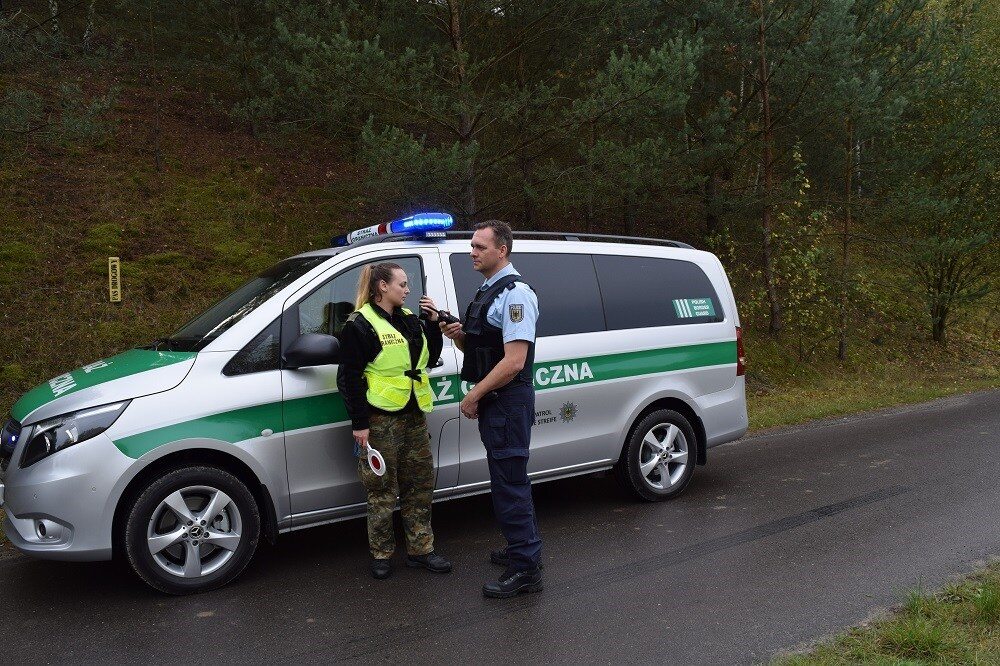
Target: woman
{"points": [[385, 351]]}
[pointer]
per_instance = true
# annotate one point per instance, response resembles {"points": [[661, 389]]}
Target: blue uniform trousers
{"points": [[505, 421]]}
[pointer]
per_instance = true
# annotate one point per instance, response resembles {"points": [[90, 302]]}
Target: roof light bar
{"points": [[419, 223]]}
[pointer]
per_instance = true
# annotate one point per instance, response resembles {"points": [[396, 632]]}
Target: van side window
{"points": [[569, 300], [646, 291], [326, 309], [259, 355]]}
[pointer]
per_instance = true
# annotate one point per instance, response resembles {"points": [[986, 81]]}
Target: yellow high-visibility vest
{"points": [[388, 387]]}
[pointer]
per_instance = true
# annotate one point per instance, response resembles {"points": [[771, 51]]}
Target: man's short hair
{"points": [[502, 232]]}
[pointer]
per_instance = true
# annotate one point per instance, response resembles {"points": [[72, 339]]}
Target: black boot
{"points": [[381, 569], [513, 583], [500, 558], [431, 561]]}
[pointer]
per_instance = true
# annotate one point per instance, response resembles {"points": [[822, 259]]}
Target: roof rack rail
{"points": [[550, 235]]}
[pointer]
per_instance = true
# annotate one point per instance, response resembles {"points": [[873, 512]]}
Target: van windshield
{"points": [[209, 325]]}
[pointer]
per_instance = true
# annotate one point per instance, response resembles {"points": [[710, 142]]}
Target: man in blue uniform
{"points": [[498, 340]]}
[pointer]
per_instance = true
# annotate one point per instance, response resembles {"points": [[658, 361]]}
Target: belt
{"points": [[414, 375]]}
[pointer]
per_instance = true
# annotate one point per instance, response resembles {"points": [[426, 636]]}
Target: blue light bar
{"points": [[414, 224], [421, 222]]}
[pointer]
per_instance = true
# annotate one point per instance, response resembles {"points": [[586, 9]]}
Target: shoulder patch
{"points": [[516, 311], [354, 315]]}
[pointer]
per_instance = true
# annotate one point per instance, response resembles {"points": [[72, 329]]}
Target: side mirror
{"points": [[311, 349]]}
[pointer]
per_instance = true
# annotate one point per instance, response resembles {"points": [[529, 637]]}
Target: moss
{"points": [[12, 373], [16, 258], [104, 239]]}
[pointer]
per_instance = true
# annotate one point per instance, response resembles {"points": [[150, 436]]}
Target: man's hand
{"points": [[452, 331], [361, 437], [470, 408]]}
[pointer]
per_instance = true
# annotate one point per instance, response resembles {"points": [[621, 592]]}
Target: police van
{"points": [[179, 456]]}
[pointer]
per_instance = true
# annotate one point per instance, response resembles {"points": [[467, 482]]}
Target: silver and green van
{"points": [[178, 457]]}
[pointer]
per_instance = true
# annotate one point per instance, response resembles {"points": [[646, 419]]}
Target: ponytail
{"points": [[371, 275]]}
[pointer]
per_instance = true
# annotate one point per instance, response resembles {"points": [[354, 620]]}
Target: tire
{"points": [[224, 543], [641, 453]]}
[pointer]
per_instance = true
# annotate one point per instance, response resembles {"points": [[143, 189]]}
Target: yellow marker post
{"points": [[114, 279]]}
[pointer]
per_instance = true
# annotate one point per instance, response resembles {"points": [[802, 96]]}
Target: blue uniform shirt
{"points": [[515, 311]]}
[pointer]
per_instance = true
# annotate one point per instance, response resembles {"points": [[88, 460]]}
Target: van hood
{"points": [[131, 374]]}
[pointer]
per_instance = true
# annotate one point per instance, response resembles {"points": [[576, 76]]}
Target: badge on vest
{"points": [[516, 313]]}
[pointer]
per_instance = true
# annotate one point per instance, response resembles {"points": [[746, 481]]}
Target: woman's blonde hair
{"points": [[368, 281]]}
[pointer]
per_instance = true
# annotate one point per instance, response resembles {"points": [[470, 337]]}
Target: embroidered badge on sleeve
{"points": [[516, 313]]}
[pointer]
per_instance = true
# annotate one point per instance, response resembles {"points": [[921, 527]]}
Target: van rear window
{"points": [[640, 292]]}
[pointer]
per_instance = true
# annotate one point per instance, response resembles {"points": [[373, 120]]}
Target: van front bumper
{"points": [[59, 508]]}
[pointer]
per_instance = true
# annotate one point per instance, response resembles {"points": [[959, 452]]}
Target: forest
{"points": [[840, 156]]}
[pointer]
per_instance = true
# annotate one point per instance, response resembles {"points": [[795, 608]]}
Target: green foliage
{"points": [[802, 266], [20, 111], [83, 118], [987, 603], [914, 637], [407, 173], [943, 628], [104, 239]]}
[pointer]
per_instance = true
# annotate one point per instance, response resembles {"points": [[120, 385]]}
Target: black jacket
{"points": [[359, 346]]}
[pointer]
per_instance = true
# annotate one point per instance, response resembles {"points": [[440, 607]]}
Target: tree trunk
{"points": [[157, 124], [88, 32], [524, 162], [57, 35], [767, 168], [845, 243], [588, 212], [939, 322], [711, 219], [468, 186]]}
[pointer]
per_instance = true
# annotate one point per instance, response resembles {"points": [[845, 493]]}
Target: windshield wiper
{"points": [[167, 343]]}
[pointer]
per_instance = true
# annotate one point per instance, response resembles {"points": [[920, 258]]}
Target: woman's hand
{"points": [[427, 305], [361, 437]]}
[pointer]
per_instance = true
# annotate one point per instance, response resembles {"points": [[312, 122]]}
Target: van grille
{"points": [[8, 440]]}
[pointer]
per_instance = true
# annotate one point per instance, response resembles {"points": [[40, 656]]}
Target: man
{"points": [[498, 340]]}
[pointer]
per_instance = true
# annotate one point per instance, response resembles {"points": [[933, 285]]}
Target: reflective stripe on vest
{"points": [[388, 388]]}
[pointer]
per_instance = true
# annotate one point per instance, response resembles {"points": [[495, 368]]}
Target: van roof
{"points": [[437, 237]]}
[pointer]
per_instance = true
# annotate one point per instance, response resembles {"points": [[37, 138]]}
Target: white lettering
{"points": [[466, 387], [572, 372], [96, 365], [557, 375], [542, 376], [61, 384], [585, 371], [444, 390]]}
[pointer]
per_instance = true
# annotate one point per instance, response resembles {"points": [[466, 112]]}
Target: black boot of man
{"points": [[513, 583]]}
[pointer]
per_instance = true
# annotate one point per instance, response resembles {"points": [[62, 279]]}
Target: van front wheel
{"points": [[193, 529], [658, 460]]}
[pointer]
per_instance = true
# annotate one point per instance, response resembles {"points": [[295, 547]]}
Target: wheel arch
{"points": [[678, 405], [184, 458]]}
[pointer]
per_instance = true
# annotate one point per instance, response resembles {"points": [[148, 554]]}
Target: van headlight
{"points": [[62, 431]]}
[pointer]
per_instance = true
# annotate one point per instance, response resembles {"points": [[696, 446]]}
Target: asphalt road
{"points": [[782, 538]]}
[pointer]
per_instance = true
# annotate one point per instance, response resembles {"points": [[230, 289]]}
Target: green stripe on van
{"points": [[241, 424], [247, 423]]}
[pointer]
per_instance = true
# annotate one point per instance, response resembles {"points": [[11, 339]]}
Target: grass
{"points": [[872, 378], [958, 625]]}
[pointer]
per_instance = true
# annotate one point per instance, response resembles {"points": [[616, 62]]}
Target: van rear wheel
{"points": [[193, 529], [658, 459]]}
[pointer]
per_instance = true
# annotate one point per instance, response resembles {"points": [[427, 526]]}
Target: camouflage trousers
{"points": [[404, 443]]}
